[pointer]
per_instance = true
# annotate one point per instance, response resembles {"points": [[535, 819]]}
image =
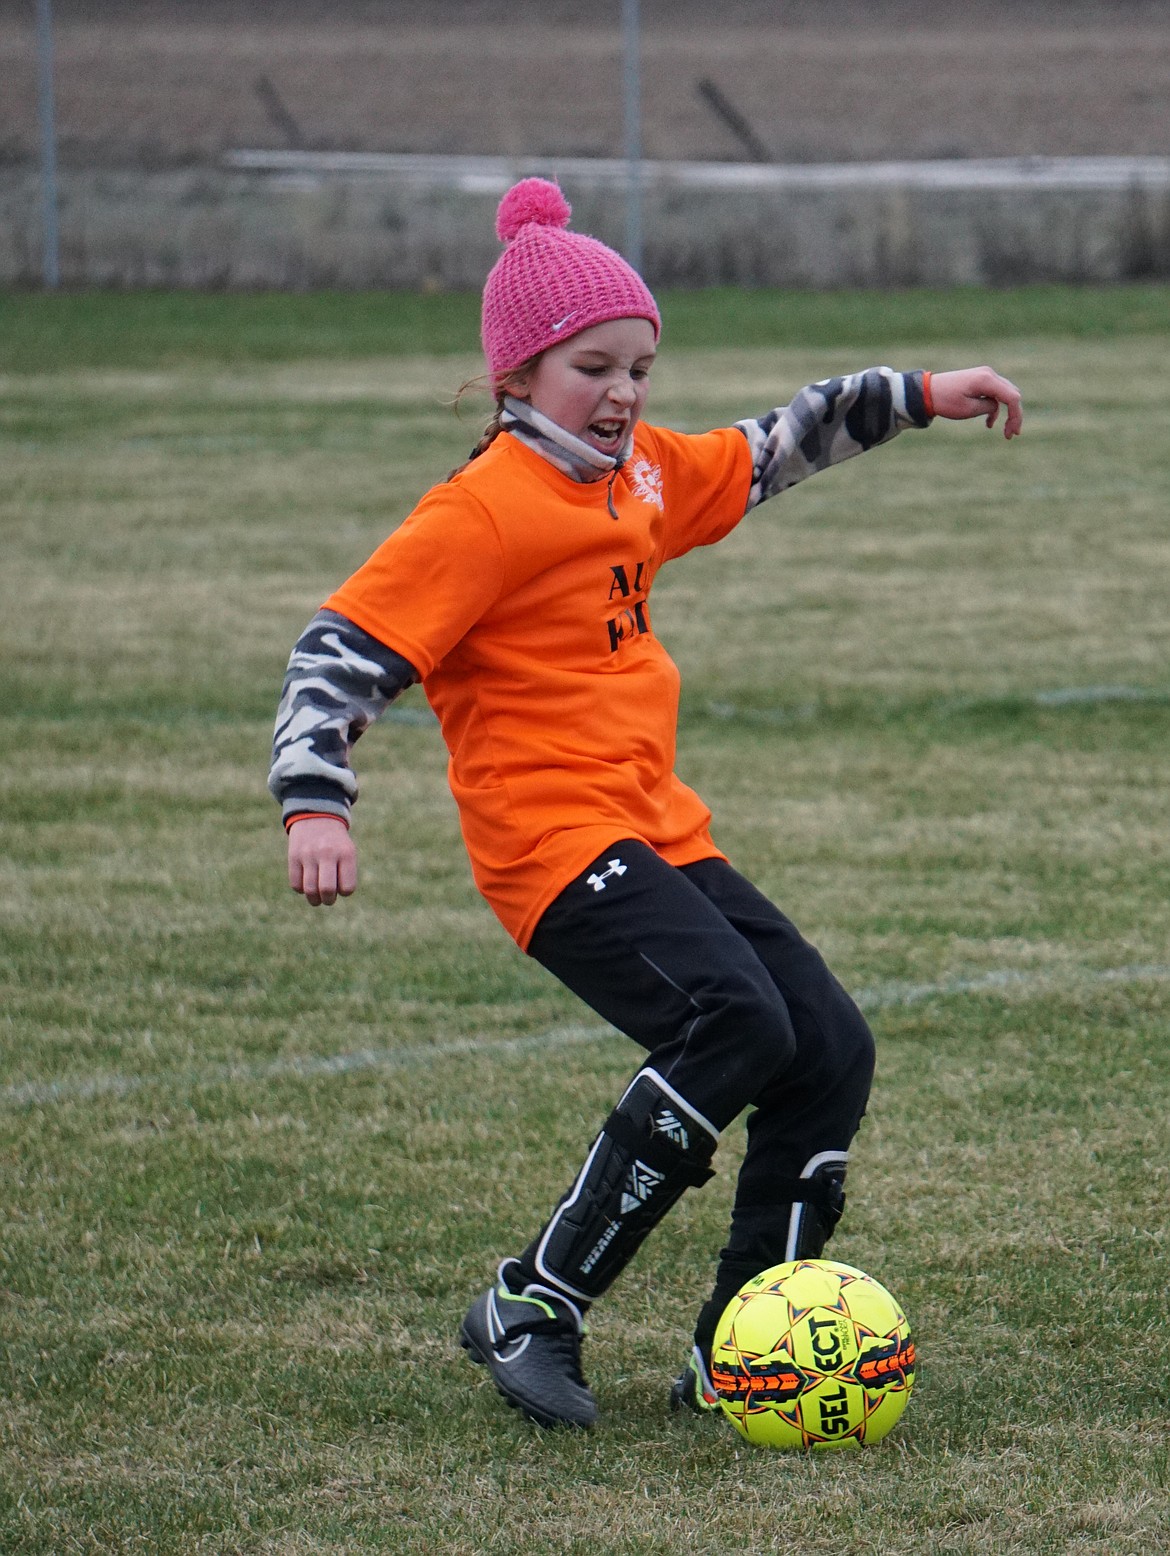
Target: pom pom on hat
{"points": [[549, 284], [531, 200]]}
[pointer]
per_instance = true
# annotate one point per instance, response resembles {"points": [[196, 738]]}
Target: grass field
{"points": [[257, 1160]]}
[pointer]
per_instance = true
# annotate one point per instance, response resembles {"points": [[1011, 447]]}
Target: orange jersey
{"points": [[524, 606]]}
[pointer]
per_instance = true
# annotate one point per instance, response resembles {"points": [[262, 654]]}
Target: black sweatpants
{"points": [[736, 1009]]}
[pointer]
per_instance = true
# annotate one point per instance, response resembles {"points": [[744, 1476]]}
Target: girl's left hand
{"points": [[977, 391]]}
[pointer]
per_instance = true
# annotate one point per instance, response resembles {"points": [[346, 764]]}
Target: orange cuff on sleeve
{"points": [[927, 397], [315, 815]]}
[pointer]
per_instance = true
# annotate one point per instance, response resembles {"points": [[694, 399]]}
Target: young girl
{"points": [[517, 592]]}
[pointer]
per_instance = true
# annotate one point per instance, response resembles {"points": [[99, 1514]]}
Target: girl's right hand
{"points": [[322, 860]]}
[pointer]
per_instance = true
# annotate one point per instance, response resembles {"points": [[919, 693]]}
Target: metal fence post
{"points": [[632, 80], [51, 250]]}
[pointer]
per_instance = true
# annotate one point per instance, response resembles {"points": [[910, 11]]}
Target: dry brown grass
{"points": [[228, 1286], [166, 82]]}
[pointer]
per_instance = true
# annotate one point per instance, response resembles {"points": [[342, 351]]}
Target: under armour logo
{"points": [[640, 1184], [616, 867]]}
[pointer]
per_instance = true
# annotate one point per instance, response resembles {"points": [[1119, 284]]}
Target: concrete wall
{"points": [[350, 221]]}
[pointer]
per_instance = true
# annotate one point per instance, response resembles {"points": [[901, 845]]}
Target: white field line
{"points": [[309, 1066], [1008, 980], [1057, 697], [82, 1088], [805, 712]]}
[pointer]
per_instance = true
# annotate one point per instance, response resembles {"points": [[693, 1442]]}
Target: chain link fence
{"points": [[166, 110]]}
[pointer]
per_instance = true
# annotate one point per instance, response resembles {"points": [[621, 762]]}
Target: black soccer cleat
{"points": [[530, 1342], [693, 1389]]}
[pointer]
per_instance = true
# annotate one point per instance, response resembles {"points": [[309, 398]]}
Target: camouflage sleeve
{"points": [[828, 422], [339, 680]]}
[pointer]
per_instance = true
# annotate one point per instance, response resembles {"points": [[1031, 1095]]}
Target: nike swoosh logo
{"points": [[560, 324]]}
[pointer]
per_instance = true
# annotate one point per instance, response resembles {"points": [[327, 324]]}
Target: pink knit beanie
{"points": [[550, 284]]}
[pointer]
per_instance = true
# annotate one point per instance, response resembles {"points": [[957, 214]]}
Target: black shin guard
{"points": [[817, 1207], [795, 1223], [653, 1146]]}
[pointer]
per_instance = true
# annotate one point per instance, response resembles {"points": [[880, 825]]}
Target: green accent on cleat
{"points": [[530, 1342], [692, 1389]]}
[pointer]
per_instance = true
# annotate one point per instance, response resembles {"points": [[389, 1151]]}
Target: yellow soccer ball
{"points": [[813, 1354]]}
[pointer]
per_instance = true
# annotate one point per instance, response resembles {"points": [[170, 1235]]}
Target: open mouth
{"points": [[607, 434]]}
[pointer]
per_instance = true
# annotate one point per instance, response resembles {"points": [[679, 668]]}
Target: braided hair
{"points": [[516, 379]]}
